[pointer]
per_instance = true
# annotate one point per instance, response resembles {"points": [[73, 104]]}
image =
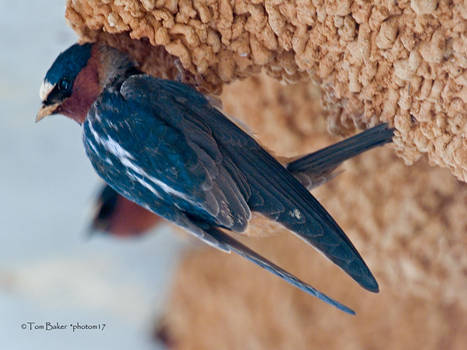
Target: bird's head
{"points": [[65, 77], [78, 76]]}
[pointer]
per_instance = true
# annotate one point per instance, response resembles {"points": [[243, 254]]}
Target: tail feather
{"points": [[327, 159], [254, 257]]}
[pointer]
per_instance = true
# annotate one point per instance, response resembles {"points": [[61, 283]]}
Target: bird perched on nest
{"points": [[164, 146]]}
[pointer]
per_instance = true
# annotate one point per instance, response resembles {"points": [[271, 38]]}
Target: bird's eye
{"points": [[64, 84]]}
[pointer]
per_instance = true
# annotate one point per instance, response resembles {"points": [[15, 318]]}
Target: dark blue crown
{"points": [[69, 63]]}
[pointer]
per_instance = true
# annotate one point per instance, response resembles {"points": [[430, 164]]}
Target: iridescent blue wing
{"points": [[274, 191], [134, 145]]}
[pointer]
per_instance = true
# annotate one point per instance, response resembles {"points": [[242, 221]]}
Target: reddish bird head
{"points": [[77, 77], [121, 217]]}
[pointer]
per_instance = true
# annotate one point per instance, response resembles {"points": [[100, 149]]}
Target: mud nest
{"points": [[398, 61]]}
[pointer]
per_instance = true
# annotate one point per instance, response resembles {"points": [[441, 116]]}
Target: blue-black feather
{"points": [[189, 168], [329, 158], [274, 191], [251, 255], [69, 63]]}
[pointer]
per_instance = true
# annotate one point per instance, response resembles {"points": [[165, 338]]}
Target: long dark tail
{"points": [[254, 257], [324, 161]]}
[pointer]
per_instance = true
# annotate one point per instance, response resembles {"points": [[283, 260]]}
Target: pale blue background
{"points": [[49, 271]]}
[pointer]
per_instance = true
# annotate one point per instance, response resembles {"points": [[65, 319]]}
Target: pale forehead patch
{"points": [[45, 90]]}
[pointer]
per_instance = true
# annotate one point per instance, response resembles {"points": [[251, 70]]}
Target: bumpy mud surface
{"points": [[398, 61]]}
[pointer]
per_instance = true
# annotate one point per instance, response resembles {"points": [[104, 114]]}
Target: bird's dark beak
{"points": [[46, 110]]}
